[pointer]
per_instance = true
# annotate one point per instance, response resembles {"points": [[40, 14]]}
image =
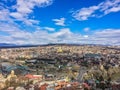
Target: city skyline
{"points": [[60, 21]]}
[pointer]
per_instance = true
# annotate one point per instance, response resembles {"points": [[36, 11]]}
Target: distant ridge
{"points": [[8, 45]]}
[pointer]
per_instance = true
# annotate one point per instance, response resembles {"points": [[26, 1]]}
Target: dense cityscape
{"points": [[59, 44], [60, 67]]}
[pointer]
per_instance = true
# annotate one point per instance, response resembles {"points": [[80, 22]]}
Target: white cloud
{"points": [[64, 35], [11, 31], [86, 29], [60, 22], [85, 13], [21, 10], [108, 33], [107, 36], [49, 28], [30, 21], [114, 9], [16, 15], [99, 10], [86, 36], [27, 6]]}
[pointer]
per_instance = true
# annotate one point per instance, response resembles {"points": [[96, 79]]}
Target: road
{"points": [[81, 72]]}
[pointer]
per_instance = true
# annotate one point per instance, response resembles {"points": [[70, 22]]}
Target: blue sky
{"points": [[60, 21]]}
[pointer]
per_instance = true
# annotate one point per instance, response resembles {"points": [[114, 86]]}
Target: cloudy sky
{"points": [[60, 21]]}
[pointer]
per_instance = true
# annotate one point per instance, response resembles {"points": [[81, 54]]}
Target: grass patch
{"points": [[116, 76]]}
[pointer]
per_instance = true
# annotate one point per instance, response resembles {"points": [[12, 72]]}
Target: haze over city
{"points": [[60, 21]]}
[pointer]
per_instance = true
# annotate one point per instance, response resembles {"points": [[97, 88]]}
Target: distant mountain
{"points": [[6, 44]]}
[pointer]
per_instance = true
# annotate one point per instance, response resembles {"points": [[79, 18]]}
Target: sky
{"points": [[36, 22]]}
